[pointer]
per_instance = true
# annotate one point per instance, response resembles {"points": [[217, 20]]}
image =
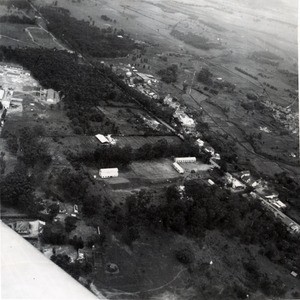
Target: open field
{"points": [[133, 121], [43, 38], [161, 276], [138, 141]]}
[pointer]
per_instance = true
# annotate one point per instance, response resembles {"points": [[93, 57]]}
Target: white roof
{"points": [[109, 170], [1, 94], [102, 138], [178, 167], [27, 274], [281, 204], [210, 182]]}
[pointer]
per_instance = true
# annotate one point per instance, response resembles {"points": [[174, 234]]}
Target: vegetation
{"points": [[105, 156], [16, 190], [185, 256], [205, 76], [85, 38], [266, 57], [73, 185], [16, 19], [75, 269], [84, 87], [19, 4], [195, 40], [246, 73], [169, 74]]}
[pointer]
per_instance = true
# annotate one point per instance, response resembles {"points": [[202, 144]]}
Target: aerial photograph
{"points": [[149, 149]]}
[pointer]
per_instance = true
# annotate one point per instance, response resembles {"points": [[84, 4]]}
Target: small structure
{"points": [[279, 204], [185, 159], [271, 195], [109, 172], [200, 143], [102, 139], [185, 120], [2, 92], [6, 103], [179, 169], [52, 96], [210, 150], [237, 185], [210, 182], [294, 274]]}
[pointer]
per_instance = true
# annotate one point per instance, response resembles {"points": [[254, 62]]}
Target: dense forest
{"points": [[19, 4], [84, 87], [16, 20], [85, 38]]}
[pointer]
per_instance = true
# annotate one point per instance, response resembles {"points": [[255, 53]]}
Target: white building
{"points": [[279, 204], [52, 96], [2, 92], [237, 185], [179, 169], [185, 159], [102, 139], [185, 120], [109, 172], [200, 143], [210, 182], [6, 103]]}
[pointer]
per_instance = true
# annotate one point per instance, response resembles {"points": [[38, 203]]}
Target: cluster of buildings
{"points": [[237, 183], [28, 229], [141, 81], [285, 116], [13, 71], [180, 114], [178, 160]]}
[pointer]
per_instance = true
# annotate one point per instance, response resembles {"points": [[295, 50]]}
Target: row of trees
{"points": [[105, 156]]}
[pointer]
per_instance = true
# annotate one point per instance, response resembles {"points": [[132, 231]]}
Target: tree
{"points": [[73, 185], [54, 234], [169, 74], [205, 76], [77, 242], [70, 223], [185, 255], [15, 185]]}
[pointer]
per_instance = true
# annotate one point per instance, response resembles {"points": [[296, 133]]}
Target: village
{"points": [[14, 77], [151, 169]]}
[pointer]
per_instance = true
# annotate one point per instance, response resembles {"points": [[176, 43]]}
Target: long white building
{"points": [[2, 92], [185, 159], [179, 169], [109, 172]]}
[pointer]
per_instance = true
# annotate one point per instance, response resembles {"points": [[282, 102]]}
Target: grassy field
{"points": [[138, 141], [130, 121]]}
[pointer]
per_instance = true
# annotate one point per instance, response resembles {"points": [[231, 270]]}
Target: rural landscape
{"points": [[150, 149]]}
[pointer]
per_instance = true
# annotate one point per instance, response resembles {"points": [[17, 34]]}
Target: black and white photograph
{"points": [[149, 150]]}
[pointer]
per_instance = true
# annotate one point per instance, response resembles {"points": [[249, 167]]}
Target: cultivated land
{"points": [[238, 44]]}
